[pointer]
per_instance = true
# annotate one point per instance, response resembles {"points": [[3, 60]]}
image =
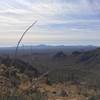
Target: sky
{"points": [[59, 22]]}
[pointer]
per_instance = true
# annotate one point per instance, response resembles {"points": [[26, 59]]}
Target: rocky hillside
{"points": [[82, 68], [11, 77], [80, 65]]}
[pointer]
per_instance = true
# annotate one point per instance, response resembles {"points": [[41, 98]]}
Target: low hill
{"points": [[79, 65]]}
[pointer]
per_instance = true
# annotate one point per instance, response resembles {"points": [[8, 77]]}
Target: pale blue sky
{"points": [[69, 22]]}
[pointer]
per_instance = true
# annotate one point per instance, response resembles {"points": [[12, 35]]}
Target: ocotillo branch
{"points": [[22, 38]]}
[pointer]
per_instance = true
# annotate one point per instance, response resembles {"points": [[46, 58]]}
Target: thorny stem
{"points": [[16, 50]]}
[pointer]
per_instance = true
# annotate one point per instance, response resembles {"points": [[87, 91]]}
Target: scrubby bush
{"points": [[33, 96], [95, 97]]}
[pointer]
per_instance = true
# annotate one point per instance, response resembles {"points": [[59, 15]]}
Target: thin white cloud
{"points": [[62, 17]]}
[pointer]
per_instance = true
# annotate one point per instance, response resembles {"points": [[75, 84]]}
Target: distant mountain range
{"points": [[46, 49]]}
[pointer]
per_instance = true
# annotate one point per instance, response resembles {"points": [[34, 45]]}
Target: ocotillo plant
{"points": [[16, 51], [18, 43]]}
